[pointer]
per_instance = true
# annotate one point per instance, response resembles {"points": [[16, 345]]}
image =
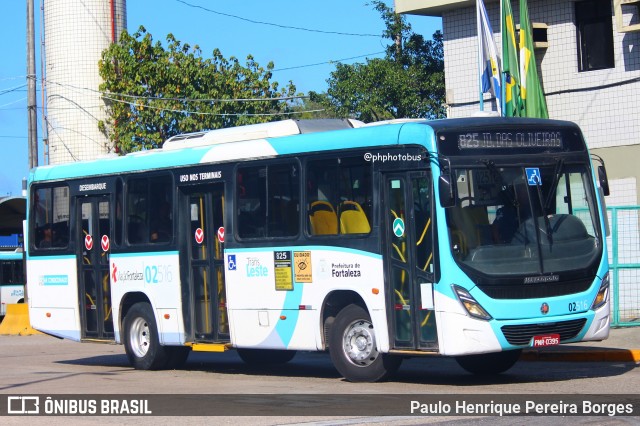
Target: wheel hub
{"points": [[139, 337], [359, 343]]}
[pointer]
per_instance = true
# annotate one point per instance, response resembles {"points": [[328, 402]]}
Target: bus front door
{"points": [[204, 226], [93, 244], [408, 222]]}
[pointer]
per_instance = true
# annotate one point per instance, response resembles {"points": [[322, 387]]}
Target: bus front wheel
{"points": [[141, 340], [353, 350], [489, 364]]}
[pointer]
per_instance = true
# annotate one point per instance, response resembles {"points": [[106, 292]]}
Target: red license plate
{"points": [[546, 340]]}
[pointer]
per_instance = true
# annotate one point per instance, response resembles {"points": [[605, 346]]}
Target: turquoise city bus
{"points": [[472, 238]]}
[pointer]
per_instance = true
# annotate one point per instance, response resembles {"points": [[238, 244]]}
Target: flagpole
{"points": [[503, 76], [480, 65]]}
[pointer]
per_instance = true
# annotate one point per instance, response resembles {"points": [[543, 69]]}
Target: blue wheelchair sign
{"points": [[533, 176], [231, 262]]}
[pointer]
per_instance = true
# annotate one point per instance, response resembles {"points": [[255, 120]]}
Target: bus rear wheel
{"points": [[353, 350], [489, 364], [141, 341]]}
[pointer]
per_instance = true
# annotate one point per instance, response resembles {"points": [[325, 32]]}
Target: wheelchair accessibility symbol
{"points": [[533, 176], [231, 262]]}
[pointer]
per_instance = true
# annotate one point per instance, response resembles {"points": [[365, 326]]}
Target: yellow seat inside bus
{"points": [[353, 220], [323, 218]]}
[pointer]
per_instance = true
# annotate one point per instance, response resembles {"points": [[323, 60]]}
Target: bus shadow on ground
{"points": [[419, 370]]}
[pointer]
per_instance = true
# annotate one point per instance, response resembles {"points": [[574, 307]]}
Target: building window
{"points": [[595, 35]]}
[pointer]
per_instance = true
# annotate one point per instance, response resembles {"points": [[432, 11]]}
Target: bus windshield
{"points": [[524, 221]]}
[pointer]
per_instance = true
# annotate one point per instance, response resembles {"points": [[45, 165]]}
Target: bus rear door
{"points": [[93, 245], [202, 263]]}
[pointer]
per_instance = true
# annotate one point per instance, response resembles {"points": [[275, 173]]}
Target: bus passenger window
{"points": [[149, 210], [161, 224], [284, 200], [251, 201], [136, 210], [50, 217], [339, 192], [268, 200], [117, 236]]}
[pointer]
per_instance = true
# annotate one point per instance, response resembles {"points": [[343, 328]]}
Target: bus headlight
{"points": [[603, 293], [470, 304]]}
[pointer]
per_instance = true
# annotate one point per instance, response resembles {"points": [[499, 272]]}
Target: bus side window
{"points": [[136, 210], [283, 185], [321, 195], [268, 200], [149, 210], [251, 201], [356, 190], [50, 217], [340, 187], [117, 237]]}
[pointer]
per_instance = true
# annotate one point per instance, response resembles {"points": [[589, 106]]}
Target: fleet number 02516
{"points": [[578, 306]]}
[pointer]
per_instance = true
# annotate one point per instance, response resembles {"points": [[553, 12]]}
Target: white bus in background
{"points": [[11, 279]]}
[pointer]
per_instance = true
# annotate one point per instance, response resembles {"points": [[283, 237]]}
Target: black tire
{"points": [[265, 356], [141, 341], [352, 346], [489, 364], [177, 356]]}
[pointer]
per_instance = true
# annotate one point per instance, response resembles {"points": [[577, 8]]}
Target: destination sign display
{"points": [[502, 140], [509, 140]]}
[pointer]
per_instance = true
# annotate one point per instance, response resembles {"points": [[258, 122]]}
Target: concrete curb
{"points": [[583, 355]]}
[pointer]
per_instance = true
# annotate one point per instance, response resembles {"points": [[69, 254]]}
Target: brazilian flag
{"points": [[512, 100], [530, 89]]}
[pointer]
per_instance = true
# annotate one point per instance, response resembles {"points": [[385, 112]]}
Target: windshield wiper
{"points": [[556, 180], [544, 212]]}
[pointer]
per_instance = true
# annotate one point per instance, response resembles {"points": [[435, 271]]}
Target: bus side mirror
{"points": [[604, 181], [446, 191]]}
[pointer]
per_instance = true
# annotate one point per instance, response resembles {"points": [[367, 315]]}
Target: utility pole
{"points": [[31, 88], [31, 111]]}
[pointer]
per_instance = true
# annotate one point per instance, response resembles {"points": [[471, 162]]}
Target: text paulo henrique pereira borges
{"points": [[522, 408]]}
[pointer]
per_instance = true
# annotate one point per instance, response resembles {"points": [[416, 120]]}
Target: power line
{"points": [[13, 89], [18, 77], [13, 102], [288, 27], [159, 98], [328, 62], [270, 114]]}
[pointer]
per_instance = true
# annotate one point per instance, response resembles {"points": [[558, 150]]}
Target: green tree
{"points": [[153, 93], [407, 83]]}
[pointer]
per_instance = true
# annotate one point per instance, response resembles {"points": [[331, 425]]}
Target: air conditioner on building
{"points": [[627, 7]]}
